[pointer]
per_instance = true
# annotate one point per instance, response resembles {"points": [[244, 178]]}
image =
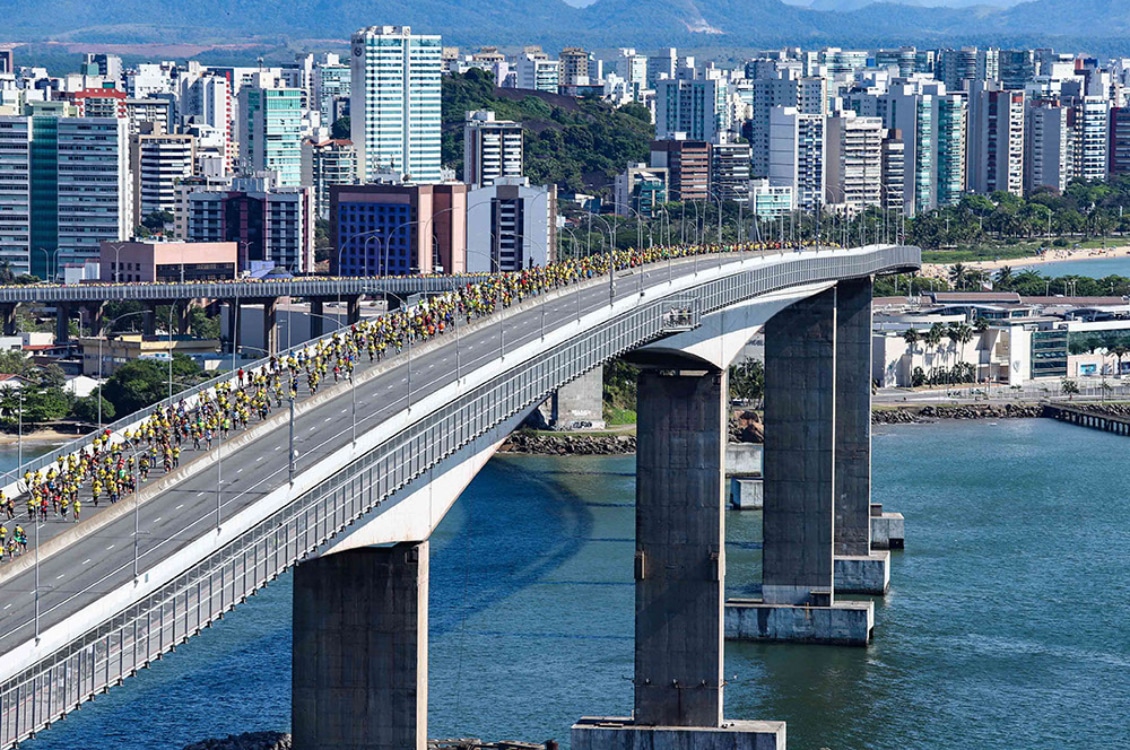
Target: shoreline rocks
{"points": [[246, 741], [934, 413], [568, 444]]}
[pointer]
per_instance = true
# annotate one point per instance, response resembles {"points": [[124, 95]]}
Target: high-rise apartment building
{"points": [[1089, 121], [491, 149], [331, 85], [687, 105], [574, 63], [270, 137], [1119, 148], [511, 226], [387, 228], [893, 183], [324, 164], [797, 155], [1047, 146], [640, 188], [158, 161], [688, 168], [534, 71], [65, 187], [395, 111], [932, 126], [786, 89], [995, 156], [854, 164], [268, 223], [729, 171]]}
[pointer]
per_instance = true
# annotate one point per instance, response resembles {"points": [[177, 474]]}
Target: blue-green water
{"points": [[1097, 268], [1005, 626]]}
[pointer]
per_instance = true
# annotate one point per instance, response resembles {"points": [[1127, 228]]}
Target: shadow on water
{"points": [[514, 529]]}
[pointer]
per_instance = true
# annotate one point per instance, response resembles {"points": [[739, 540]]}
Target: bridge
{"points": [[265, 292], [380, 460]]}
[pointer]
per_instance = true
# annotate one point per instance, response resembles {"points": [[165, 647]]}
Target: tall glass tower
{"points": [[395, 102]]}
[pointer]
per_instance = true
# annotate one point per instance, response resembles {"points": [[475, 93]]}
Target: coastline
{"points": [[39, 436], [1053, 255], [582, 444]]}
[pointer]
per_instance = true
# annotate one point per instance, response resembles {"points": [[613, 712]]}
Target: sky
{"points": [[852, 4]]}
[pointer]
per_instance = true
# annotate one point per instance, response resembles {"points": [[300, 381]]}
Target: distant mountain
{"points": [[464, 22], [1092, 25]]}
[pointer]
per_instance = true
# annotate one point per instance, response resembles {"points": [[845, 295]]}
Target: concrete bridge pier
{"points": [[317, 311], [270, 326], [858, 569], [62, 323], [798, 597], [9, 314], [360, 655], [680, 574]]}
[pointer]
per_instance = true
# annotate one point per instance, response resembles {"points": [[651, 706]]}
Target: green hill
{"points": [[576, 144]]}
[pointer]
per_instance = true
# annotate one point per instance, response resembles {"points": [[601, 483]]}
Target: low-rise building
{"points": [[145, 261], [120, 350]]}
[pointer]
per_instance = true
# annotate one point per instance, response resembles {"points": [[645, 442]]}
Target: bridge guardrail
{"points": [[130, 640]]}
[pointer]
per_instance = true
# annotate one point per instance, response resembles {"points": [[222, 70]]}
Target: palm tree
{"points": [[935, 335], [1004, 277], [911, 336], [980, 325], [958, 274], [1119, 352]]}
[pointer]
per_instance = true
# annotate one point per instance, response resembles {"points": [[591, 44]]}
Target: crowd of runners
{"points": [[115, 464]]}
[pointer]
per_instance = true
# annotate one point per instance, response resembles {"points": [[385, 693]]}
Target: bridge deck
{"points": [[122, 632]]}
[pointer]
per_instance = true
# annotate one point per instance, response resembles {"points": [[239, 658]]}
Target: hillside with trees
{"points": [[576, 144]]}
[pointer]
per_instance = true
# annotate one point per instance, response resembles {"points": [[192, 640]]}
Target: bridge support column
{"points": [[9, 314], [233, 324], [62, 323], [149, 321], [183, 317], [270, 326], [317, 310], [798, 599], [680, 573], [352, 310], [94, 316], [360, 657], [858, 570]]}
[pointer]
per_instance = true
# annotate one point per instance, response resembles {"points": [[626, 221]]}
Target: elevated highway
{"points": [[149, 573]]}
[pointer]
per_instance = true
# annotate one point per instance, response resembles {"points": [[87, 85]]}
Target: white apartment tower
{"points": [[797, 155], [491, 149], [395, 102], [855, 161], [995, 157]]}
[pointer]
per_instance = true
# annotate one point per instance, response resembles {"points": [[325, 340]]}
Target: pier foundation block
{"points": [[887, 529], [594, 733], [842, 623], [863, 574]]}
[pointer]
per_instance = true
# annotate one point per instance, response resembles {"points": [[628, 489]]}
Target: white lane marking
{"points": [[155, 520], [179, 507], [8, 605], [84, 562], [344, 410], [278, 447], [59, 576], [390, 387], [328, 419], [313, 428], [111, 547], [258, 459], [200, 494], [239, 471]]}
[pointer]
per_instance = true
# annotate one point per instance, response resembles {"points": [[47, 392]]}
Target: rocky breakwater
{"points": [[569, 444], [247, 741], [933, 412]]}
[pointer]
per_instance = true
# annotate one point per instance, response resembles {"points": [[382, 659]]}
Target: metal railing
{"points": [[248, 289], [130, 640]]}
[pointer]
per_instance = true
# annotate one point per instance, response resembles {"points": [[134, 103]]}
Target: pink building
{"points": [[142, 261]]}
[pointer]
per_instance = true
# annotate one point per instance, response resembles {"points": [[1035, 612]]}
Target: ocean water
{"points": [[1097, 268], [1004, 627]]}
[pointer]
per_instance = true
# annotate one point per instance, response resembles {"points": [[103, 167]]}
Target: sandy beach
{"points": [[39, 436], [1053, 255]]}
